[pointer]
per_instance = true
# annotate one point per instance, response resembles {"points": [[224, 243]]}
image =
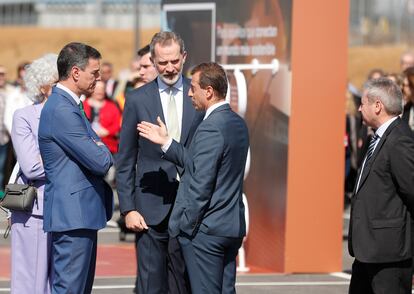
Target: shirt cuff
{"points": [[166, 146]]}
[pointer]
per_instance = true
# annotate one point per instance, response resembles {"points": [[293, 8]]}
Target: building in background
{"points": [[376, 22], [110, 14]]}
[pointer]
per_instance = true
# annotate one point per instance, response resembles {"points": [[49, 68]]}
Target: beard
{"points": [[170, 79]]}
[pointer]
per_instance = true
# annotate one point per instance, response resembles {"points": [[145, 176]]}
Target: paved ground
{"points": [[116, 269]]}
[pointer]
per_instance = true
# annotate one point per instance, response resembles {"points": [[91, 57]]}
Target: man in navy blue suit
{"points": [[147, 184], [208, 215], [77, 201]]}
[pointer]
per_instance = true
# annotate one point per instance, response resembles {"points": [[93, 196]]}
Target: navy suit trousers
{"points": [[211, 262], [74, 259], [161, 267]]}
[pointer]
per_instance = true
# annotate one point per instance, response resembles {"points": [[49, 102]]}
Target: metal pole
{"points": [[99, 14], [398, 20], [137, 26]]}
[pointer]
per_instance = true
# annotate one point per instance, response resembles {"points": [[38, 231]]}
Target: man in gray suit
{"points": [[208, 215]]}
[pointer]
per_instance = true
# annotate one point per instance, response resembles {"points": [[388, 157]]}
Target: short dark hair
{"points": [[75, 54], [22, 66], [212, 74], [409, 74], [166, 38], [144, 50]]}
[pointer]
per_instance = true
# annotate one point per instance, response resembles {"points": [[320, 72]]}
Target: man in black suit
{"points": [[383, 199], [106, 77], [208, 214], [408, 88], [147, 185]]}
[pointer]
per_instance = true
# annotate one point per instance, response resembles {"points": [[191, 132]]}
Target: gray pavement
{"points": [[334, 283], [246, 284]]}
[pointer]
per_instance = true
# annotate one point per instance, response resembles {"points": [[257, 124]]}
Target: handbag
{"points": [[19, 197]]}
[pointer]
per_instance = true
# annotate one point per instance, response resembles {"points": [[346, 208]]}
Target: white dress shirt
{"points": [[164, 90], [213, 107], [208, 112], [73, 95], [380, 132]]}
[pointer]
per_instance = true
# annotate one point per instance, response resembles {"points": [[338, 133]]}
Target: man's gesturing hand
{"points": [[135, 221], [156, 134]]}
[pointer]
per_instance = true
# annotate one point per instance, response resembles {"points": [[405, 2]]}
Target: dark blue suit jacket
{"points": [[146, 182], [76, 196], [209, 197]]}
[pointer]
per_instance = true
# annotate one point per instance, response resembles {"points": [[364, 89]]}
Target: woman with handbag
{"points": [[30, 245]]}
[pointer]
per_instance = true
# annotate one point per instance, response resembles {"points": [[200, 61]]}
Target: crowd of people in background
{"points": [[67, 138], [358, 135], [21, 103], [104, 108]]}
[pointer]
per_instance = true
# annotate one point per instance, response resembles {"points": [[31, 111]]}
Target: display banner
{"points": [[235, 32]]}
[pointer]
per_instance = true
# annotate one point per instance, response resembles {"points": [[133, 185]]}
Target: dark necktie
{"points": [[371, 147], [82, 110], [368, 156]]}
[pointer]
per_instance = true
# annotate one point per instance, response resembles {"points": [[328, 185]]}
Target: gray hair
{"points": [[41, 72], [166, 38], [387, 92]]}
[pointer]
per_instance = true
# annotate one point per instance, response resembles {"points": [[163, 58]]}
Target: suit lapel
{"points": [[153, 102], [188, 112], [66, 95], [154, 106], [368, 165], [223, 107], [69, 98]]}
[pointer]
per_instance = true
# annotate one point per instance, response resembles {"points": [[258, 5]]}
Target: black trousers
{"points": [[161, 267], [381, 278]]}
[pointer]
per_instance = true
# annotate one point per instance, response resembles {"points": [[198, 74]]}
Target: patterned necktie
{"points": [[172, 118], [371, 146], [370, 151], [82, 110]]}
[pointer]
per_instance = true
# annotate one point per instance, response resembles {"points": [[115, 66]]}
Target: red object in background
{"points": [[110, 119]]}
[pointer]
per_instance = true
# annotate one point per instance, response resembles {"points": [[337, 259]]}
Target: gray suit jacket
{"points": [[209, 197]]}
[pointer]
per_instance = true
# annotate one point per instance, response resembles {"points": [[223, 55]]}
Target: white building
{"points": [[113, 14]]}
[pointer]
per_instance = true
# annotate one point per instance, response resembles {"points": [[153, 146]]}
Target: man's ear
{"points": [[209, 92], [378, 106], [184, 56], [75, 73]]}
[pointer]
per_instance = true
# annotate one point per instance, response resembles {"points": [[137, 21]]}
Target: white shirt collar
{"points": [[164, 87], [381, 130], [73, 95], [213, 107]]}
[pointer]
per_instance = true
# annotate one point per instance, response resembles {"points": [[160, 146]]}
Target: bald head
{"points": [[406, 60]]}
